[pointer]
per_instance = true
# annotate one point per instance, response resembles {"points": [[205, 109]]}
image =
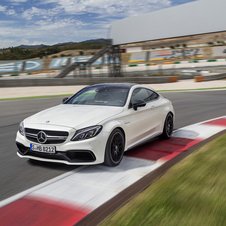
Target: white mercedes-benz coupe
{"points": [[96, 125]]}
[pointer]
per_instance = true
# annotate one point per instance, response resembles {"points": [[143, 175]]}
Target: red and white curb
{"points": [[66, 199]]}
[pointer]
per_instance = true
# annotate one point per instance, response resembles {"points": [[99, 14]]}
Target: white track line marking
{"points": [[198, 131], [37, 187]]}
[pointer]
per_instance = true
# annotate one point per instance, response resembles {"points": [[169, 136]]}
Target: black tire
{"points": [[114, 150], [168, 127]]}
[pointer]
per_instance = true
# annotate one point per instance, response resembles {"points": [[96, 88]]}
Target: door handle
{"points": [[152, 107]]}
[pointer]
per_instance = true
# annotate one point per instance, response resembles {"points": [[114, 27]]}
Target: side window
{"points": [[152, 95], [144, 94], [139, 94]]}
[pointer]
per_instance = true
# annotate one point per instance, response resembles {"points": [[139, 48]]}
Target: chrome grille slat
{"points": [[51, 135], [56, 138], [31, 135]]}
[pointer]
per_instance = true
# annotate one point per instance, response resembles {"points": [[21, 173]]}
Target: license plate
{"points": [[42, 148]]}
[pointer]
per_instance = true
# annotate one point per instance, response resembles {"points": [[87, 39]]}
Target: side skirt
{"points": [[146, 140]]}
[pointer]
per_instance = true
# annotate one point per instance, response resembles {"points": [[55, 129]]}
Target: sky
{"points": [[49, 22]]}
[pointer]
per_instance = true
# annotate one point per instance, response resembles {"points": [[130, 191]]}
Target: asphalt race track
{"points": [[18, 174]]}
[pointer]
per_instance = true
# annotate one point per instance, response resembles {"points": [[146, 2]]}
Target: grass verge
{"points": [[61, 95], [193, 192], [183, 90], [36, 97]]}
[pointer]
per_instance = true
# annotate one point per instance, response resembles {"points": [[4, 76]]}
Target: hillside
{"points": [[58, 50], [42, 46]]}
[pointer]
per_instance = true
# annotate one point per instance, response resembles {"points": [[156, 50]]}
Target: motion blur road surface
{"points": [[17, 175]]}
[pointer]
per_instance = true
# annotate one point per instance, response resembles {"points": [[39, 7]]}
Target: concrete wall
{"points": [[198, 17]]}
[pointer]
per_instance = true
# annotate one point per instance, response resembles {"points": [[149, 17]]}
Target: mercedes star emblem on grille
{"points": [[41, 137]]}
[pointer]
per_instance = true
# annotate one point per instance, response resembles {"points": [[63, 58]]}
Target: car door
{"points": [[145, 121]]}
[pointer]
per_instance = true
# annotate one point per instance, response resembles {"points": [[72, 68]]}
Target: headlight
{"points": [[86, 133], [21, 128]]}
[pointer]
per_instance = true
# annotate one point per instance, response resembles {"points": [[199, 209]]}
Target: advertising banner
{"points": [[86, 58], [138, 57], [11, 67], [33, 65], [58, 63], [176, 54]]}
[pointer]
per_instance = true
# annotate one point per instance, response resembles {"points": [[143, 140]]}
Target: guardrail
{"points": [[210, 77], [82, 81], [91, 81]]}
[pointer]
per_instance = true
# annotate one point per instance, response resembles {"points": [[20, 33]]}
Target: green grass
{"points": [[192, 193], [36, 97], [182, 90], [62, 95]]}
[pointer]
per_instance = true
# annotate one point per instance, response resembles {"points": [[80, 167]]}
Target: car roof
{"points": [[119, 85]]}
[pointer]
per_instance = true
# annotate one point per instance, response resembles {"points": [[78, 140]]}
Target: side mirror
{"points": [[138, 103], [65, 99]]}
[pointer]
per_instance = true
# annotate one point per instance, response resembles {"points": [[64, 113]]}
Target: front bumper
{"points": [[85, 152]]}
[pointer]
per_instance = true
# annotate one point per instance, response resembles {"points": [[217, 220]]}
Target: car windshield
{"points": [[102, 95]]}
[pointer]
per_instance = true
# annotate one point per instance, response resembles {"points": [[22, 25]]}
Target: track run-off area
{"points": [[66, 190]]}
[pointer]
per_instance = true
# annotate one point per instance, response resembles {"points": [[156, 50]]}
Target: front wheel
{"points": [[115, 148], [168, 127]]}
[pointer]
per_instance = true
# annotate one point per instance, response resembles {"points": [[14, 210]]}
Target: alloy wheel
{"points": [[117, 147]]}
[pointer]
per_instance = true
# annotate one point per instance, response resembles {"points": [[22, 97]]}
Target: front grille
{"points": [[53, 137], [69, 156]]}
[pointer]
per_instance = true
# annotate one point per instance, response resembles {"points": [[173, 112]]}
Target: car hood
{"points": [[73, 116]]}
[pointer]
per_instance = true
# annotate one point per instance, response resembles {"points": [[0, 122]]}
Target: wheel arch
{"points": [[123, 132], [111, 126], [173, 114], [170, 112]]}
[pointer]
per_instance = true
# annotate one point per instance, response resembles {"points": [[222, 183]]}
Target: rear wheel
{"points": [[168, 127], [115, 148]]}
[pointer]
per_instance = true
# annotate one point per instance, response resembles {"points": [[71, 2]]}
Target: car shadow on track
{"points": [[51, 165]]}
